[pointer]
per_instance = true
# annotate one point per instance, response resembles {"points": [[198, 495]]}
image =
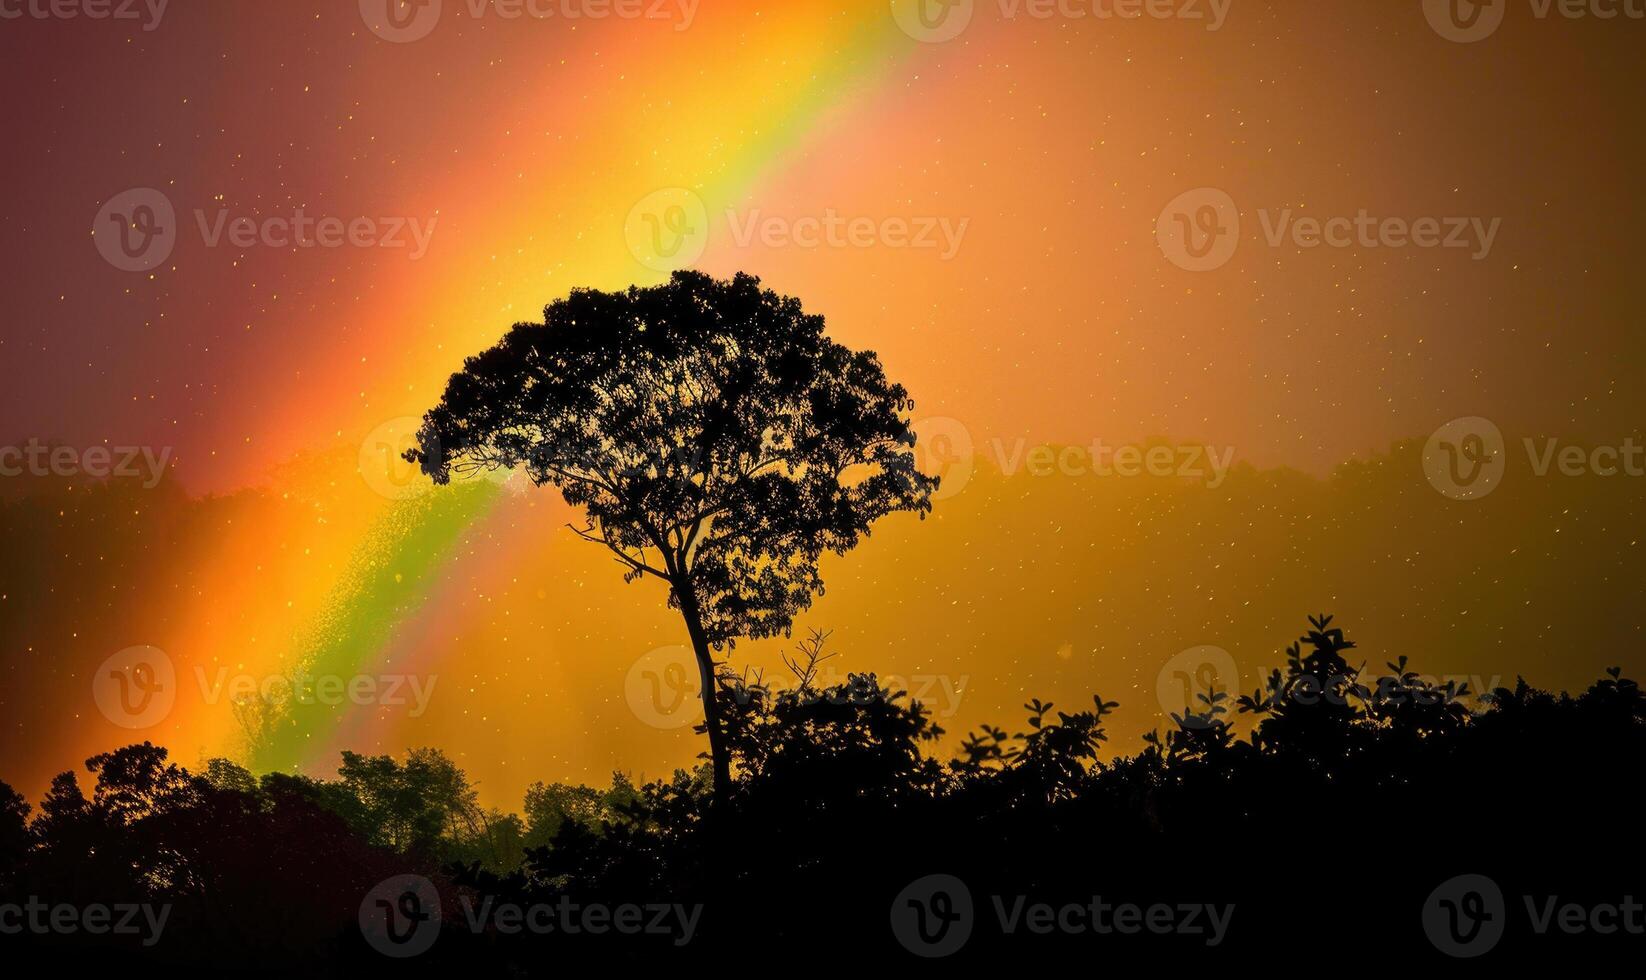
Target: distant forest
{"points": [[1318, 835]]}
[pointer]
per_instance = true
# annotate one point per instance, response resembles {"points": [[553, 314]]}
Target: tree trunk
{"points": [[719, 755]]}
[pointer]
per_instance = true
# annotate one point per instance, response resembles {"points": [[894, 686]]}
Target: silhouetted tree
{"points": [[14, 834], [1313, 707], [813, 750], [715, 439], [1351, 799], [548, 807]]}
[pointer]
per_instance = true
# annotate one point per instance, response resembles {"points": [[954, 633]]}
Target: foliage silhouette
{"points": [[714, 437], [1349, 798]]}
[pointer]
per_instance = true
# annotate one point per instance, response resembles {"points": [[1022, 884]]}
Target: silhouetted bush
{"points": [[1348, 800]]}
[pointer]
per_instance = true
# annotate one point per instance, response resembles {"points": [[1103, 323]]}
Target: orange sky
{"points": [[1053, 143]]}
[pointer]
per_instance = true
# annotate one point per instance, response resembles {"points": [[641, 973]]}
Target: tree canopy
{"points": [[709, 430], [712, 435]]}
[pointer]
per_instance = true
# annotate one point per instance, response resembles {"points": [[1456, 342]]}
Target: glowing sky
{"points": [[1053, 142]]}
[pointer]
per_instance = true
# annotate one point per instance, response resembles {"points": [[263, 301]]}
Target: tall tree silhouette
{"points": [[715, 439]]}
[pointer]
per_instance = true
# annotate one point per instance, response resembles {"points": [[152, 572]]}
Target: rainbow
{"points": [[389, 600]]}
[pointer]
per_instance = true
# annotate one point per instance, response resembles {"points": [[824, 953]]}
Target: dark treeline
{"points": [[1321, 832]]}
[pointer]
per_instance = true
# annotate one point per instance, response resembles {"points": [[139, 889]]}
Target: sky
{"points": [[993, 212]]}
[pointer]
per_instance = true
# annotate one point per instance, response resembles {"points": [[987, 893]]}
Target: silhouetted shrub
{"points": [[1350, 798]]}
